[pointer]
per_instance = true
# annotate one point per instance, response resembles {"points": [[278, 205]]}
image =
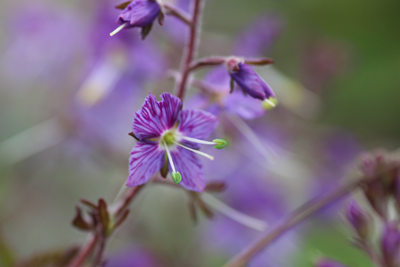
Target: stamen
{"points": [[118, 29], [169, 157], [194, 140], [176, 176], [217, 143], [270, 102], [195, 151]]}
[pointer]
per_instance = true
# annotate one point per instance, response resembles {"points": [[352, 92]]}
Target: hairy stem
{"points": [[191, 48], [293, 219]]}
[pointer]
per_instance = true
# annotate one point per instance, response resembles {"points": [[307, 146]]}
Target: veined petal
{"points": [[156, 116], [145, 160], [190, 168], [197, 124]]}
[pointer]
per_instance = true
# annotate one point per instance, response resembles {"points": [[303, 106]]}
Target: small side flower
{"points": [[140, 14], [250, 82]]}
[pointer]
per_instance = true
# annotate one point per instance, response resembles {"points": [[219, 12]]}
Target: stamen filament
{"points": [[169, 157], [270, 102], [194, 140], [118, 29], [195, 151]]}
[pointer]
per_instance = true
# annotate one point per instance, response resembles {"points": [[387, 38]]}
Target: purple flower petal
{"points": [[251, 82], [139, 13], [145, 160], [197, 124], [155, 117], [190, 168], [244, 106]]}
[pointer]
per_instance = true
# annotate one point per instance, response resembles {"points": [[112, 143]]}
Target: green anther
{"points": [[220, 144], [270, 103], [176, 176]]}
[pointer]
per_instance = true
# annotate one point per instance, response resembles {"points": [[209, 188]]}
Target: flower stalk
{"points": [[191, 49]]}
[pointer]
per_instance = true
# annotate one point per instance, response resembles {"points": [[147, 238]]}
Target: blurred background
{"points": [[68, 95]]}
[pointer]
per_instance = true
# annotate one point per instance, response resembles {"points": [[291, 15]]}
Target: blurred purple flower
{"points": [[328, 263], [358, 219], [44, 43], [258, 38], [161, 127], [251, 83]]}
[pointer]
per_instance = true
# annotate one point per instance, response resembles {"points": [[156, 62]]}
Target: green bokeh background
{"points": [[366, 100]]}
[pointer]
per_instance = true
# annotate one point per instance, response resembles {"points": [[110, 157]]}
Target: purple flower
{"points": [[165, 131], [139, 13], [390, 244], [357, 218], [251, 83], [328, 263]]}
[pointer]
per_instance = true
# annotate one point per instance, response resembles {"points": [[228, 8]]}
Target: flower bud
{"points": [[358, 219], [382, 166], [250, 82], [139, 13], [328, 263], [390, 245]]}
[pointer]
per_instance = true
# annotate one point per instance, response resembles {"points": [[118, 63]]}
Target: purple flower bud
{"points": [[328, 263], [251, 83], [358, 219], [390, 245], [139, 13]]}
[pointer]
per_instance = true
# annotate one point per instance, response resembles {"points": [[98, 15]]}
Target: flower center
{"points": [[168, 138]]}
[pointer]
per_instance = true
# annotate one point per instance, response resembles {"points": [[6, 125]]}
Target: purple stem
{"points": [[191, 48]]}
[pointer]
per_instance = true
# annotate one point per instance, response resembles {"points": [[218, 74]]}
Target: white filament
{"points": [[194, 140], [118, 29], [195, 151], [169, 157], [270, 102]]}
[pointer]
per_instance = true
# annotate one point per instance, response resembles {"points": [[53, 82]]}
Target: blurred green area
{"points": [[365, 100]]}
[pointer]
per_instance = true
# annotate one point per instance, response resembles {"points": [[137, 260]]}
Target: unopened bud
{"points": [[358, 219]]}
